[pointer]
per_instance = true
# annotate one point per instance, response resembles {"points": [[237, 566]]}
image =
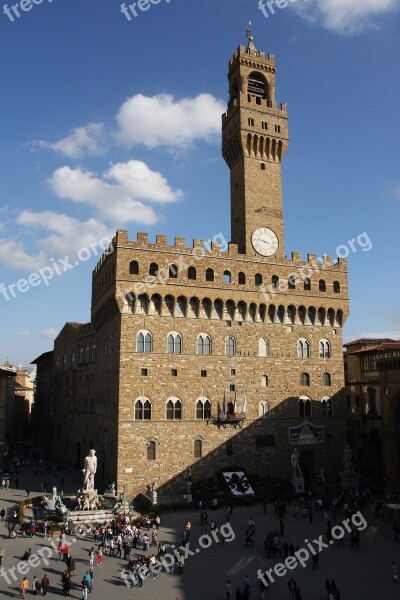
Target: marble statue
{"points": [[89, 471], [296, 464], [347, 456]]}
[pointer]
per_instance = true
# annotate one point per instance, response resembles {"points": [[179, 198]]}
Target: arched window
{"points": [[81, 351], [264, 381], [172, 271], [258, 279], [144, 342], [203, 344], [322, 285], [73, 361], [198, 449], [241, 278], [263, 347], [324, 349], [153, 269], [227, 277], [203, 409], [230, 346], [142, 409], [304, 407], [263, 409], [174, 343], [65, 364], [151, 450], [307, 284], [336, 287], [305, 380], [326, 407], [292, 282], [87, 354], [192, 273], [174, 409], [134, 267], [303, 348], [326, 379], [209, 275], [275, 281], [93, 353]]}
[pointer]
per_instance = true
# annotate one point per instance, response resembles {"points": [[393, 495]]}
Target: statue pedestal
{"points": [[298, 484], [89, 500], [350, 479]]}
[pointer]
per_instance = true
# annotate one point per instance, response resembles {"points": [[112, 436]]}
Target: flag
{"points": [[224, 406], [234, 407], [244, 407]]}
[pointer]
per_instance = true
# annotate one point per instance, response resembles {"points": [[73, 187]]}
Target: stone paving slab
{"points": [[360, 575]]}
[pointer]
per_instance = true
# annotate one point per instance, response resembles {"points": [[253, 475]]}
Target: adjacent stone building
{"points": [[372, 368], [211, 355]]}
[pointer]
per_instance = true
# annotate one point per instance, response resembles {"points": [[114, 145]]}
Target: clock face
{"points": [[265, 241]]}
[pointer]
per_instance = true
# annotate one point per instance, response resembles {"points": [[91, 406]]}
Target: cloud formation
{"points": [[346, 16], [162, 120], [83, 141]]}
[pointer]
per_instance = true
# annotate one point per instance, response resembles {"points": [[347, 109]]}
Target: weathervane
{"points": [[250, 46]]}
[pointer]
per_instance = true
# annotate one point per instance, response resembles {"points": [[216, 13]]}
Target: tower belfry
{"points": [[254, 141]]}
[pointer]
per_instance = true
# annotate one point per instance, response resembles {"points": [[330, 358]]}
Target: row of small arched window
{"points": [[144, 343], [174, 412], [275, 281]]}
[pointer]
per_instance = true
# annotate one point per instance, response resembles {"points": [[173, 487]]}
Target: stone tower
{"points": [[254, 141]]}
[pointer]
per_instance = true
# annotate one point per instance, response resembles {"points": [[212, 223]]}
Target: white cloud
{"points": [[49, 333], [163, 121], [346, 16], [24, 334], [83, 141], [13, 254], [112, 195], [67, 235]]}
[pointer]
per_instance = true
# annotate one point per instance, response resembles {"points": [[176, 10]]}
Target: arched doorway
{"points": [[307, 465]]}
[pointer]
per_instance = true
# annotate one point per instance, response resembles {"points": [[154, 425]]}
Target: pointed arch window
{"points": [[144, 342], [326, 407], [230, 346], [174, 409], [263, 409], [304, 407], [203, 344], [324, 349], [303, 348], [322, 285], [203, 409], [142, 409], [174, 343]]}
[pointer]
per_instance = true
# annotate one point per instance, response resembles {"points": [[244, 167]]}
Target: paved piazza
{"points": [[359, 575]]}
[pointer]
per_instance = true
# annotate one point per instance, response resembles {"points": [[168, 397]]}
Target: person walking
{"points": [[2, 514], [99, 558], [84, 592], [24, 586], [228, 590], [45, 584]]}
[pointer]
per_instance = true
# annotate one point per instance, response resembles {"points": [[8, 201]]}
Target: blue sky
{"points": [[108, 123]]}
